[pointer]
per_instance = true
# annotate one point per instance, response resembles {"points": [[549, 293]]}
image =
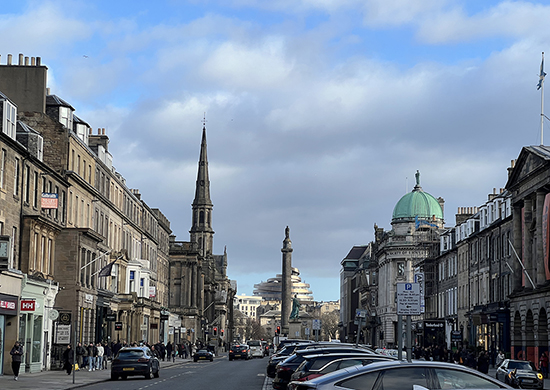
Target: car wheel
{"points": [[157, 373], [211, 359], [149, 374], [114, 377], [195, 360], [230, 358], [124, 377]]}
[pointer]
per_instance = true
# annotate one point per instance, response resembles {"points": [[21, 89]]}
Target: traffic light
{"points": [[222, 332], [278, 330], [215, 331]]}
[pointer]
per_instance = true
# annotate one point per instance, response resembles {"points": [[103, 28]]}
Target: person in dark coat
{"points": [[16, 358], [68, 359], [483, 362], [169, 350]]}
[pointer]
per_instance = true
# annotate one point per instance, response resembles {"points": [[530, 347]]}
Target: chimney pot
{"points": [[38, 61], [9, 59], [20, 59], [99, 131], [33, 61], [90, 131], [26, 61]]}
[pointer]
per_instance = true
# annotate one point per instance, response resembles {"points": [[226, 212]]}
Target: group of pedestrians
{"points": [[92, 357]]}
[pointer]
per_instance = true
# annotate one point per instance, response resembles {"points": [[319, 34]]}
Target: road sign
{"points": [[408, 299], [316, 324], [360, 313]]}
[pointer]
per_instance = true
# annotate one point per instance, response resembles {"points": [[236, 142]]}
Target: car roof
{"points": [[348, 372], [349, 354], [330, 350]]}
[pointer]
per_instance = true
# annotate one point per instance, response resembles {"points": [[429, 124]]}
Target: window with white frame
{"points": [[66, 117], [132, 281], [9, 120]]}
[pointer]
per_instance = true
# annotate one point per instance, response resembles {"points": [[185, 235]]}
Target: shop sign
{"points": [[154, 326], [89, 298], [118, 325], [170, 330], [8, 305], [110, 317], [63, 335], [456, 335], [27, 305]]}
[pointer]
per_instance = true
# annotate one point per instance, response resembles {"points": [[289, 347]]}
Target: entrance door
{"points": [[2, 332]]}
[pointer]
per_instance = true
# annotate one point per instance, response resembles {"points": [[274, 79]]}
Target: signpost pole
{"points": [[358, 331], [399, 337], [409, 339], [74, 350]]}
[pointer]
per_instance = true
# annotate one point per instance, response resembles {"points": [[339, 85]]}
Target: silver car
{"points": [[402, 375]]}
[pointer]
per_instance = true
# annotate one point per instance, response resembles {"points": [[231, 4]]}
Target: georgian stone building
{"points": [[529, 184], [82, 241]]}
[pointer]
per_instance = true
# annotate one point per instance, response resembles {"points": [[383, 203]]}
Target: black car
{"points": [[520, 374], [318, 365], [239, 352], [203, 354], [286, 368], [131, 361], [291, 349]]}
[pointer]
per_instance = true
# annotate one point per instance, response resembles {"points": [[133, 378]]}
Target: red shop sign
{"points": [[27, 305], [7, 305]]}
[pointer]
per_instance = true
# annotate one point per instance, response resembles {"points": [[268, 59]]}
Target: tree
{"points": [[329, 325]]}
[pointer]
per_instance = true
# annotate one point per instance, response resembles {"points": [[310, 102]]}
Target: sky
{"points": [[318, 112]]}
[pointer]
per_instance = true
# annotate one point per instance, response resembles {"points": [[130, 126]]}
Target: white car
{"points": [[256, 349]]}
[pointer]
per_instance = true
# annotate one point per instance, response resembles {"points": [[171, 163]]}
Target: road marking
{"points": [[261, 374]]}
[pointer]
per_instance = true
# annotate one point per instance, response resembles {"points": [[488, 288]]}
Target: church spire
{"points": [[201, 231]]}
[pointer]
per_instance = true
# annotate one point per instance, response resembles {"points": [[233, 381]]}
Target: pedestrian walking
{"points": [[100, 353], [16, 358], [169, 350], [500, 358], [544, 365], [92, 357], [483, 362], [68, 359], [80, 352]]}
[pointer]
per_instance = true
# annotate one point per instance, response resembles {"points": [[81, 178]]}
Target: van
{"points": [[256, 348]]}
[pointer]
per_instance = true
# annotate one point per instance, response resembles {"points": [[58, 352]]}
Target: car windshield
{"points": [[520, 365], [254, 343], [239, 348], [130, 354]]}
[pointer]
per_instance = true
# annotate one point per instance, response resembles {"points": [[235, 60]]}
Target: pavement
{"points": [[59, 380]]}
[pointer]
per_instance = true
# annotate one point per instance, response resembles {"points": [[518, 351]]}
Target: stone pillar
{"points": [[517, 241], [527, 241], [540, 276], [286, 291]]}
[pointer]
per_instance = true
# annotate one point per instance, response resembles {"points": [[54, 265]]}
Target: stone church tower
{"points": [[201, 230], [200, 292]]}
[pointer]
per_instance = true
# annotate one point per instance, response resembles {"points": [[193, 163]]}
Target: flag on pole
{"points": [[106, 271], [542, 74]]}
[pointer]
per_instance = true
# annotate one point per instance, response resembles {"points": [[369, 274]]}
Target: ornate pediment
{"points": [[532, 162]]}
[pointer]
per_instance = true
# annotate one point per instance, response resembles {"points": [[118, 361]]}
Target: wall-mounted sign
{"points": [[27, 305], [63, 334], [65, 318], [49, 200], [118, 325], [110, 317]]}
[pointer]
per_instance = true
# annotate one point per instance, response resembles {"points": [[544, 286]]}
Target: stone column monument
{"points": [[286, 296]]}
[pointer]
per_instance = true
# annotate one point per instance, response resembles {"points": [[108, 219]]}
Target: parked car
{"points": [[403, 375], [291, 349], [314, 366], [286, 368], [520, 374], [240, 351], [256, 349], [203, 354], [131, 361]]}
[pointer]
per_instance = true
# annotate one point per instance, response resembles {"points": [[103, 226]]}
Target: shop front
{"points": [[10, 291]]}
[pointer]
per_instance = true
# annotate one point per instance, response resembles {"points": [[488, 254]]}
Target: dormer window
{"points": [[9, 122], [66, 117]]}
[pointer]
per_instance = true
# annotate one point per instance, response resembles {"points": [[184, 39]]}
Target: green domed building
{"points": [[401, 253], [419, 207]]}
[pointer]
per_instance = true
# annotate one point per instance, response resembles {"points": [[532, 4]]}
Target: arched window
{"points": [[201, 217]]}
